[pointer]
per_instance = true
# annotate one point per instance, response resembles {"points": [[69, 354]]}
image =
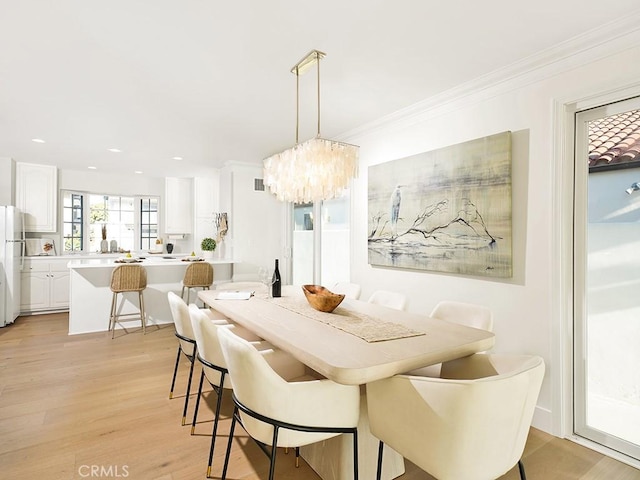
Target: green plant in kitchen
{"points": [[208, 244]]}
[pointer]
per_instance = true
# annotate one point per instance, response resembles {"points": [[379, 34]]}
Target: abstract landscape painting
{"points": [[448, 210]]}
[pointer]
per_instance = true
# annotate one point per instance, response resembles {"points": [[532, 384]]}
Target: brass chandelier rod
{"points": [[313, 57]]}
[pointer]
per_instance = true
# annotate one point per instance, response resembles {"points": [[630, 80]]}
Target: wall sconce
{"points": [[633, 188]]}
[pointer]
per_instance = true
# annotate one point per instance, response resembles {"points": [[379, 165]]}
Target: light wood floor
{"points": [[68, 403]]}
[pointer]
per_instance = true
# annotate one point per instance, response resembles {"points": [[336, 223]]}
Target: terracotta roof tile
{"points": [[615, 140]]}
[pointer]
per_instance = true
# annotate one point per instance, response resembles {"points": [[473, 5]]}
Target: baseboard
{"points": [[542, 420]]}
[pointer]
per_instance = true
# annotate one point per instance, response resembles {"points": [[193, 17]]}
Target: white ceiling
{"points": [[210, 81]]}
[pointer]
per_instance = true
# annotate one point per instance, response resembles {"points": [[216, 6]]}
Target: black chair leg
{"points": [[379, 472], [355, 455], [226, 458], [523, 476], [195, 412], [175, 372], [219, 391], [186, 397], [274, 448], [297, 457]]}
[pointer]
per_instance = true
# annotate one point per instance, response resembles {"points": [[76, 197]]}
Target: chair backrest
{"points": [[206, 336], [349, 290], [128, 278], [471, 425], [255, 383], [471, 315], [389, 299], [269, 382], [182, 321], [198, 274]]}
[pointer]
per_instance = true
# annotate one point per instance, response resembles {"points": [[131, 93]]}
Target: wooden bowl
{"points": [[322, 299]]}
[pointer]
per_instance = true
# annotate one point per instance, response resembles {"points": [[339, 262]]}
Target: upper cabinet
{"points": [[37, 196], [178, 203]]}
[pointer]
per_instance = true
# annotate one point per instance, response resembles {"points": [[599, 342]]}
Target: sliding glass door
{"points": [[607, 277], [321, 242]]}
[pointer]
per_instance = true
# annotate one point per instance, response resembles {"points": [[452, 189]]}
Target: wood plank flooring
{"points": [[70, 404]]}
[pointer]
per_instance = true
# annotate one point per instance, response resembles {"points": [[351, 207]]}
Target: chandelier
{"points": [[318, 169]]}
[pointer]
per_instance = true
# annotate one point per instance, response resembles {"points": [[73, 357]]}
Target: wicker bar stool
{"points": [[127, 278], [197, 275]]}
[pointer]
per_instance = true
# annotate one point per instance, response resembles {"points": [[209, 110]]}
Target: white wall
{"points": [[96, 181], [7, 183], [526, 310], [256, 220]]}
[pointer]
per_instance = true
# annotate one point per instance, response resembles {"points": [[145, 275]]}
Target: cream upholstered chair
{"points": [[127, 278], [284, 412], [186, 343], [468, 314], [471, 424], [214, 368], [471, 315], [349, 290], [197, 275], [389, 299]]}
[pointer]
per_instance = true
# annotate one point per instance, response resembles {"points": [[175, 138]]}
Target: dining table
{"points": [[358, 343]]}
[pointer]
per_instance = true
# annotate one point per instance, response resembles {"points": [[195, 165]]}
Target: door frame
{"points": [[563, 200]]}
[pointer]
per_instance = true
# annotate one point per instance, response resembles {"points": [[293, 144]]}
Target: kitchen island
{"points": [[90, 292]]}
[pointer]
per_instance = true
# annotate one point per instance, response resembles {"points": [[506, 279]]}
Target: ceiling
{"points": [[210, 81]]}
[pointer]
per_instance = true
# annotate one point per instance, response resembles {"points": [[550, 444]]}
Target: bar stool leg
{"points": [[143, 315], [114, 316]]}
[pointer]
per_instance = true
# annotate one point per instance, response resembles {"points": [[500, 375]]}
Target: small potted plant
{"points": [[208, 245]]}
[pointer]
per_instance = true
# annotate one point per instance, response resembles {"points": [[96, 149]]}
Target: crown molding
{"points": [[609, 39]]}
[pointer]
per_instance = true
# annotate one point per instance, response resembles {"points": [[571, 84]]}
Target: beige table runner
{"points": [[366, 327]]}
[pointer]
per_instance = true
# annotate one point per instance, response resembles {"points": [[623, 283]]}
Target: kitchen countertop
{"points": [[147, 261], [78, 256]]}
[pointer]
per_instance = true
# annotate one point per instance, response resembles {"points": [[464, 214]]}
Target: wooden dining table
{"points": [[326, 344]]}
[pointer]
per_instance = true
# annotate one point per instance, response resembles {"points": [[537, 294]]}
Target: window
{"points": [[88, 219], [72, 225], [148, 223]]}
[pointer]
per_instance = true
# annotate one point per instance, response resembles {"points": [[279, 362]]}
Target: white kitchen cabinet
{"points": [[206, 190], [44, 286], [178, 201], [37, 196]]}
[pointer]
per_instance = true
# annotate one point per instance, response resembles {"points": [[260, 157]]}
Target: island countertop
{"points": [[90, 290], [146, 261]]}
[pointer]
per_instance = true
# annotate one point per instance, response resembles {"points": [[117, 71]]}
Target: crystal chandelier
{"points": [[318, 169]]}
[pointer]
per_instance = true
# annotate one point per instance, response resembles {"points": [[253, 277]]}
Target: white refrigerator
{"points": [[11, 261]]}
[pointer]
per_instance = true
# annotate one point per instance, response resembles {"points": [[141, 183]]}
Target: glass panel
{"points": [[335, 241], [127, 218], [72, 221], [302, 261], [607, 259]]}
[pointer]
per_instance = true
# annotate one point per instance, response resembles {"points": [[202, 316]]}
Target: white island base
{"points": [[90, 292]]}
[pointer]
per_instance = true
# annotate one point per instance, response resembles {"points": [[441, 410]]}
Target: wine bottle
{"points": [[277, 283]]}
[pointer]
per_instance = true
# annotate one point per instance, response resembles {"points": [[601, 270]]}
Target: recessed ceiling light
{"points": [[37, 140], [138, 171], [115, 150], [177, 158], [92, 168]]}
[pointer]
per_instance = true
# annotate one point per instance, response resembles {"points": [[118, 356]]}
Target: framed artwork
{"points": [[448, 210]]}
